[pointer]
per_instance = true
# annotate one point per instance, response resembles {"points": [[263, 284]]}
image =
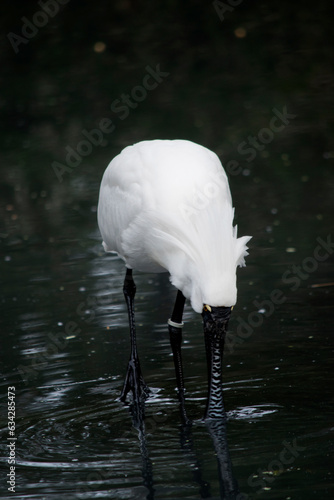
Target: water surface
{"points": [[65, 339]]}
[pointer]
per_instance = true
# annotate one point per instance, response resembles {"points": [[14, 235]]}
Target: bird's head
{"points": [[216, 318]]}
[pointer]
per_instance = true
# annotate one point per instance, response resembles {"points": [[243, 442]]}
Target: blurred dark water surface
{"points": [[257, 88]]}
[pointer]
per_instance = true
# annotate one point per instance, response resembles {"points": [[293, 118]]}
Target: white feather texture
{"points": [[166, 206]]}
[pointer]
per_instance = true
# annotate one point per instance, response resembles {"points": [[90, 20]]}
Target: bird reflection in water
{"points": [[218, 433]]}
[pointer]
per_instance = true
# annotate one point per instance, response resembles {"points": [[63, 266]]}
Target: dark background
{"points": [[226, 75]]}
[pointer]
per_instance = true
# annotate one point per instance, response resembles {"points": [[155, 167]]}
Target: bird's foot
{"points": [[134, 382]]}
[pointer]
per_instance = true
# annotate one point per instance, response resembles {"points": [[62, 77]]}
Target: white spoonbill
{"points": [[165, 205]]}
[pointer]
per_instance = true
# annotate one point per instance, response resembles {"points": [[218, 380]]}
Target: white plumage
{"points": [[166, 206]]}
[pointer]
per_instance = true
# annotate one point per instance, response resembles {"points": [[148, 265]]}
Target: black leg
{"points": [[175, 334], [134, 380]]}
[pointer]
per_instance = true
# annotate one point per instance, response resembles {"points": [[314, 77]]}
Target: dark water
{"points": [[264, 72]]}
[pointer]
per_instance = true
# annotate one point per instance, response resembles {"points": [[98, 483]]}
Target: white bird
{"points": [[165, 206]]}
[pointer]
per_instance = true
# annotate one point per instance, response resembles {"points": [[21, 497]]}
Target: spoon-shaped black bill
{"points": [[215, 322]]}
